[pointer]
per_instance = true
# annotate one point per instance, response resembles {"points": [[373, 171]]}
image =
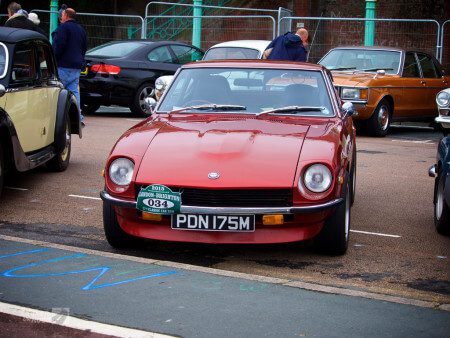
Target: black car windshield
{"points": [[368, 60], [251, 91], [114, 49], [218, 53]]}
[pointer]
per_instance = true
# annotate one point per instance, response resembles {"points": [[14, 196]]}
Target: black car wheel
{"points": [[88, 109], [115, 236], [334, 237], [378, 124], [139, 107], [441, 209], [61, 160], [2, 169]]}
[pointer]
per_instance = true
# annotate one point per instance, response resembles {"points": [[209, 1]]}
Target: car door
{"points": [[412, 102], [186, 54], [432, 80], [27, 100], [49, 84]]}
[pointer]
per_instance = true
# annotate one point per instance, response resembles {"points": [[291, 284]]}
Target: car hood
{"points": [[245, 152], [352, 79]]}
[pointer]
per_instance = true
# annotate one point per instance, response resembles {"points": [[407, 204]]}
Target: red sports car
{"points": [[237, 152]]}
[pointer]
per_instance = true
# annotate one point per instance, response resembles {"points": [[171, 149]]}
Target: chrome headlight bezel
{"points": [[443, 99], [317, 178], [353, 93], [120, 171]]}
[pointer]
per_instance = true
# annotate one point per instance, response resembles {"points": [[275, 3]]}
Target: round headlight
{"points": [[121, 171], [443, 99], [317, 178]]}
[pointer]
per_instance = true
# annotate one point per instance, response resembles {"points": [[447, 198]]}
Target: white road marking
{"points": [[134, 120], [375, 233], [86, 197], [15, 188], [74, 323], [414, 141]]}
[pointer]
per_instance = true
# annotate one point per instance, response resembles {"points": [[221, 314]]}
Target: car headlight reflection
{"points": [[317, 178], [443, 99], [121, 171], [354, 93]]}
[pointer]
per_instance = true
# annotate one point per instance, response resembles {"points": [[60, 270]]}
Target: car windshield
{"points": [[3, 60], [248, 91], [220, 53], [362, 60], [114, 49]]}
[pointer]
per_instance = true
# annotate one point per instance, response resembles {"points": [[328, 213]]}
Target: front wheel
{"points": [[378, 124], [115, 236], [88, 109], [441, 209], [334, 237], [61, 160], [139, 107]]}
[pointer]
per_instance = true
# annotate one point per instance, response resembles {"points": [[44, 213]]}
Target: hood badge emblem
{"points": [[213, 175]]}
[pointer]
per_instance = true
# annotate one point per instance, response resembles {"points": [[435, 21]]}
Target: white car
{"points": [[237, 49]]}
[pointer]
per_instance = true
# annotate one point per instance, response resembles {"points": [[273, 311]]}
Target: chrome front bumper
{"points": [[189, 209]]}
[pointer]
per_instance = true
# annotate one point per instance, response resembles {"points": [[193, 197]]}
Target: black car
{"points": [[123, 73]]}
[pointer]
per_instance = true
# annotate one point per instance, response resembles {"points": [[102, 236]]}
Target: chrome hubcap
{"points": [[347, 215], [65, 152], [147, 91], [439, 203], [383, 117]]}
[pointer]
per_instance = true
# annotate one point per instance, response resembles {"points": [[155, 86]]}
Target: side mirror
{"points": [[150, 103], [2, 90], [348, 109]]}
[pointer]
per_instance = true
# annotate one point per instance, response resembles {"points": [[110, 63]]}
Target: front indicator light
{"points": [[146, 216], [273, 219]]}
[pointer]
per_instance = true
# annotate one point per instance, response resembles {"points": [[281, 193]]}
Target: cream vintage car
{"points": [[386, 84], [37, 115]]}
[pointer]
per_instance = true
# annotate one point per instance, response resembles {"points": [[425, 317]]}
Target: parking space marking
{"points": [[134, 120], [414, 141], [73, 322], [15, 188], [86, 197], [375, 233]]}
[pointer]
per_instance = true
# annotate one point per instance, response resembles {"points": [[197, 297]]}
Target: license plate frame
{"points": [[213, 222]]}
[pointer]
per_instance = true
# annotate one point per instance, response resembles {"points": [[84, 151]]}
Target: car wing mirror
{"points": [[348, 109], [2, 90]]}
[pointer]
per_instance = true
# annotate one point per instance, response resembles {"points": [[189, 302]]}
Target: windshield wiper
{"points": [[212, 107], [290, 109], [343, 68], [375, 69]]}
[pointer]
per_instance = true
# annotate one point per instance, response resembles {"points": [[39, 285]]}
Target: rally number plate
{"points": [[207, 222]]}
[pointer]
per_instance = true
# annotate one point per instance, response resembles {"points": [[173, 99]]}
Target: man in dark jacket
{"points": [[69, 46], [17, 18], [287, 47]]}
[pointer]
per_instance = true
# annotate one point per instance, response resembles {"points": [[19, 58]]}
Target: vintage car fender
{"points": [[67, 104]]}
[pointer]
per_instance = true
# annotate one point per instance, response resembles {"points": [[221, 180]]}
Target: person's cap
{"points": [[34, 17], [61, 10]]}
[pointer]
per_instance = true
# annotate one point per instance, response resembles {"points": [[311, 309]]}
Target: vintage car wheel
{"points": [[353, 178], [139, 107], [2, 170], [378, 124], [441, 209], [334, 237], [61, 160], [88, 109], [115, 236]]}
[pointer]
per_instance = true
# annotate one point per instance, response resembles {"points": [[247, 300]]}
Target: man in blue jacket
{"points": [[287, 47], [69, 46]]}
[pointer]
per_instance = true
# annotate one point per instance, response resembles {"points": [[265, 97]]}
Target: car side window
{"points": [[186, 54], [411, 68], [23, 69], [45, 62], [160, 54], [428, 67]]}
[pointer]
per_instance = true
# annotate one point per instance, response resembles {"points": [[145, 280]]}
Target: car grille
{"points": [[234, 197]]}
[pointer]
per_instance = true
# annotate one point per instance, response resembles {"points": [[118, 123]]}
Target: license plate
{"points": [[208, 222], [84, 71]]}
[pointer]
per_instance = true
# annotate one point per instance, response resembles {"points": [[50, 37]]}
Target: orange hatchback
{"points": [[386, 84]]}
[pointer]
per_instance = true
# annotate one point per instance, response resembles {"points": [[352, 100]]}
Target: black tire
{"points": [[334, 237], [115, 236], [378, 124], [138, 107], [2, 169], [61, 160], [88, 109], [441, 209]]}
